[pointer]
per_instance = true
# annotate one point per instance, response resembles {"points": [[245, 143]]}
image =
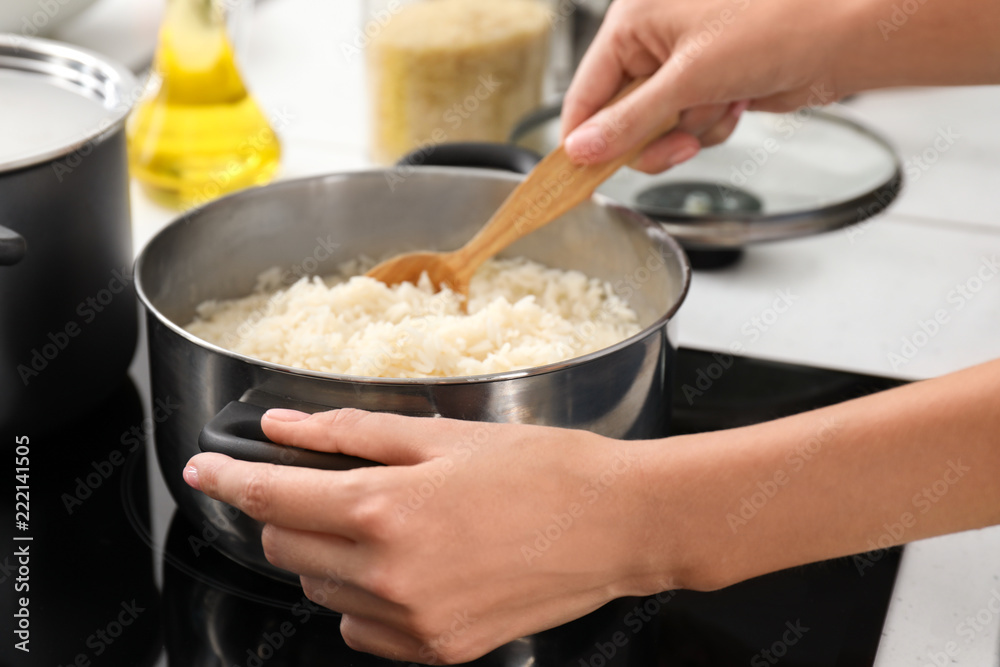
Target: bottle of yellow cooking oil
{"points": [[198, 133]]}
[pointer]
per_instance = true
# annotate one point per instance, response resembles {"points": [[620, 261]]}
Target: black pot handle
{"points": [[12, 247], [235, 431], [476, 154]]}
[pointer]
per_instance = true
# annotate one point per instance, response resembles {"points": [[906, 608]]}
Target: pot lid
{"points": [[778, 176], [56, 99]]}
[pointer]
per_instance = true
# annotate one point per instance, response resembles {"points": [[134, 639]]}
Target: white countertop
{"points": [[858, 294], [945, 608]]}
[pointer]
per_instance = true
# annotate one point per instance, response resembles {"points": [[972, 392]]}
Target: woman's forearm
{"points": [[920, 43], [910, 463]]}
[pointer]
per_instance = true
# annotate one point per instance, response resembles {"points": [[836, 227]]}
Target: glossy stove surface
{"points": [[824, 614], [109, 587]]}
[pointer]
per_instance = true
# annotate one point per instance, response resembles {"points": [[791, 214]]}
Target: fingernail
{"points": [[585, 143], [739, 107], [191, 477], [282, 415], [682, 154]]}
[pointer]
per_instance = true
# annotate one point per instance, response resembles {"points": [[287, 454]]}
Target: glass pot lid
{"points": [[778, 176]]}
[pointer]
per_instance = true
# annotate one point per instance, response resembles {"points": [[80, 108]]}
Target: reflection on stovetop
{"points": [[95, 601], [220, 614]]}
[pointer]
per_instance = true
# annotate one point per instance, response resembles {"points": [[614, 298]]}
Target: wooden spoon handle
{"points": [[552, 188]]}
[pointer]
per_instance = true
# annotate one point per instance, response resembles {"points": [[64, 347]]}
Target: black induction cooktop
{"points": [[104, 590]]}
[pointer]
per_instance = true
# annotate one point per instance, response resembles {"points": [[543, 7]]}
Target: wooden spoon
{"points": [[552, 188]]}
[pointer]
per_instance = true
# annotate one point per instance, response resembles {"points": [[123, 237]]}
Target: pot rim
{"points": [[84, 71], [651, 227]]}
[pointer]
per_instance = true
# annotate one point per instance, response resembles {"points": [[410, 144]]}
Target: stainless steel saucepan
{"points": [[312, 225]]}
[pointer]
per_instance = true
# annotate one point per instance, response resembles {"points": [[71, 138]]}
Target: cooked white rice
{"points": [[521, 314]]}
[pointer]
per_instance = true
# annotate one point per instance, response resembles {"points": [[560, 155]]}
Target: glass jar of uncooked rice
{"points": [[452, 70]]}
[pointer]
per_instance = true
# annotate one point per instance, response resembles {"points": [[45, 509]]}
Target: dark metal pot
{"points": [[311, 226], [68, 320]]}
